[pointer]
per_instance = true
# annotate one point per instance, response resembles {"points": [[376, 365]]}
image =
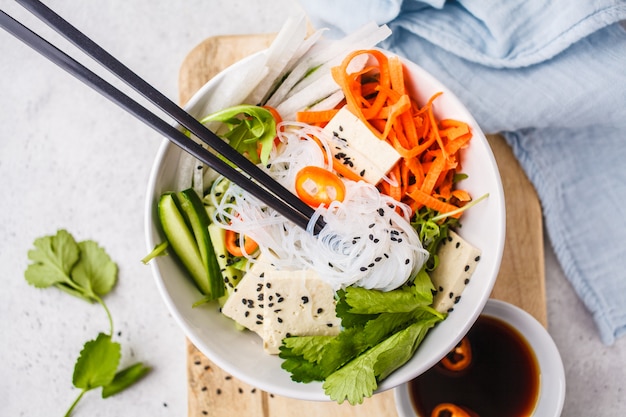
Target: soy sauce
{"points": [[502, 379]]}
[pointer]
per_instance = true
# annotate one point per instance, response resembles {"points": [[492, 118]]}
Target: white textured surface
{"points": [[71, 159]]}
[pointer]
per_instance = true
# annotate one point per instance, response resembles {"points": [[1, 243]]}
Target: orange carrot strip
{"points": [[316, 117], [429, 201], [461, 195]]}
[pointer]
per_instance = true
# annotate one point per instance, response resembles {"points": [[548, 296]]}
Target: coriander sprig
{"points": [[86, 271]]}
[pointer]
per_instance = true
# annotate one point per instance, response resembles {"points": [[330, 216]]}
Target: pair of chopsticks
{"points": [[248, 176]]}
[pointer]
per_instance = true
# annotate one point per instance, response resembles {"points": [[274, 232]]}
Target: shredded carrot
{"points": [[429, 148]]}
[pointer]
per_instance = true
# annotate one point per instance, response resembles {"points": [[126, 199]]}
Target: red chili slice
{"points": [[317, 186]]}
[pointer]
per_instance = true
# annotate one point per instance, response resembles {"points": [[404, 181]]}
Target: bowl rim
{"points": [[317, 394], [552, 373]]}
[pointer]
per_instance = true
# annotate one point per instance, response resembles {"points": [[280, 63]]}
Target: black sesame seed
{"points": [[244, 301], [378, 259], [450, 310], [381, 211], [260, 297], [451, 295], [268, 285], [279, 319], [305, 299], [320, 310], [329, 324], [467, 267], [376, 240], [197, 362], [371, 225], [219, 391], [228, 377], [246, 314], [371, 265], [240, 390], [467, 281], [259, 316], [440, 288], [340, 128], [280, 300], [407, 261], [477, 258], [259, 322], [204, 388], [457, 299], [363, 269], [458, 245], [362, 173]]}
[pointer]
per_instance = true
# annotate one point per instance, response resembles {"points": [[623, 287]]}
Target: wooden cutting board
{"points": [[214, 393]]}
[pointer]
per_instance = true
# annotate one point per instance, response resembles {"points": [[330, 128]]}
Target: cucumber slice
{"points": [[197, 217], [182, 240]]}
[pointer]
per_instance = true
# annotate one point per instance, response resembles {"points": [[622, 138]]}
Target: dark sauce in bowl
{"points": [[502, 379]]}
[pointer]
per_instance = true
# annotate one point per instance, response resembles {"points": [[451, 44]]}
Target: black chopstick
{"points": [[271, 193]]}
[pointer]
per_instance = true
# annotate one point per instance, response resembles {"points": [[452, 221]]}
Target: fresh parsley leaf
{"points": [[81, 269], [86, 271], [95, 272], [358, 379], [53, 259], [97, 363], [293, 354], [348, 318], [401, 300], [124, 379]]}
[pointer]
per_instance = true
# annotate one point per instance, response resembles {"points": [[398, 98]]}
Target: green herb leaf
{"points": [[53, 259], [247, 126], [401, 300], [97, 363], [124, 379], [95, 271], [359, 378]]}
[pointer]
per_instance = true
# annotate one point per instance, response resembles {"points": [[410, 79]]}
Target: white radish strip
{"points": [[286, 44]]}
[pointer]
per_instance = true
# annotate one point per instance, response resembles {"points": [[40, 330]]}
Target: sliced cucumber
{"points": [[182, 240], [185, 224]]}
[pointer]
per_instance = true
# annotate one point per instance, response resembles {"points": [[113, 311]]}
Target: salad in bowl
{"points": [[412, 209]]}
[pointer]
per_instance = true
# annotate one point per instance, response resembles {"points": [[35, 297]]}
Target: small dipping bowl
{"points": [[549, 377]]}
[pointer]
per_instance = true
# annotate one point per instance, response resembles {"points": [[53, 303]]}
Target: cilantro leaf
{"points": [[401, 300], [97, 363], [124, 379], [53, 259], [359, 378], [301, 370], [348, 318], [95, 272]]}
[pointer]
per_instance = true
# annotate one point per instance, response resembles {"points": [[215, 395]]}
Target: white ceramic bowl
{"points": [[552, 375], [241, 353]]}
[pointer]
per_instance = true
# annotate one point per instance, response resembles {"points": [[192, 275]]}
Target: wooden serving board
{"points": [[214, 393]]}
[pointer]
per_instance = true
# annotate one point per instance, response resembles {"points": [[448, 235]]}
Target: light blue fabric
{"points": [[551, 77]]}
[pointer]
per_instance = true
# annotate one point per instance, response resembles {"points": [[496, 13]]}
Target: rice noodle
{"points": [[367, 241]]}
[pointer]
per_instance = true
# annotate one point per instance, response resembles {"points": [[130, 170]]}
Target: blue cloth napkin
{"points": [[551, 77]]}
